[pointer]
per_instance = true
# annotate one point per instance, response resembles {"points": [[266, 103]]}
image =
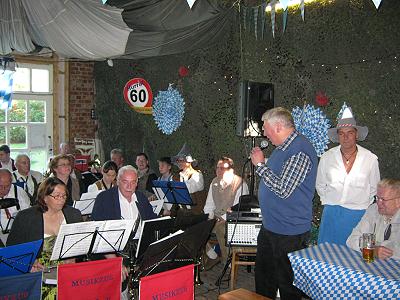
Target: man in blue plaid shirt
{"points": [[285, 193]]}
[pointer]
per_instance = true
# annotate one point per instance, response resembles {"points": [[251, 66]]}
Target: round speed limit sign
{"points": [[138, 95]]}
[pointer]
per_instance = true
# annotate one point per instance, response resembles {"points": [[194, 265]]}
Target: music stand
{"points": [[86, 203], [7, 203], [173, 192], [87, 238], [179, 250], [153, 230], [18, 259]]}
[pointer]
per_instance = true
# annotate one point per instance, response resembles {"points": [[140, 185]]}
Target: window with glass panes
{"points": [[28, 124]]}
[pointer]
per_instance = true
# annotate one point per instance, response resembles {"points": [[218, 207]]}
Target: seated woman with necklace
{"points": [[43, 221]]}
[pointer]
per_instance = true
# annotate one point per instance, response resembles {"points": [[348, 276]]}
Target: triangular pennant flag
{"points": [[190, 3], [255, 14], [285, 15], [377, 3], [284, 4], [263, 8], [243, 10], [272, 3], [302, 9]]}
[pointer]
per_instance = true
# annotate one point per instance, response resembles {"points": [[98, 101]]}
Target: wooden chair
{"points": [[241, 294], [237, 253]]}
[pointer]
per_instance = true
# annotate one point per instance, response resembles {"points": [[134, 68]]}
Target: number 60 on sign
{"points": [[138, 95]]}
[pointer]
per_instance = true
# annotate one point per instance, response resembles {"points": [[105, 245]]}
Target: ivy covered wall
{"points": [[344, 48]]}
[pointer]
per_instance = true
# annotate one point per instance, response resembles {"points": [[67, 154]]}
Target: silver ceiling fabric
{"points": [[87, 29], [162, 27], [83, 29]]}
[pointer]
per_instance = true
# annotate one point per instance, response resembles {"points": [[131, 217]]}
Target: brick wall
{"points": [[81, 100]]}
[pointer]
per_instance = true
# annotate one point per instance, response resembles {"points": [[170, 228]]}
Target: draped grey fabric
{"points": [[72, 28], [162, 27], [87, 29]]}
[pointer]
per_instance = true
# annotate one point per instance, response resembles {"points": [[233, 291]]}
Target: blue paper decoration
{"points": [[168, 110], [312, 123], [6, 92]]}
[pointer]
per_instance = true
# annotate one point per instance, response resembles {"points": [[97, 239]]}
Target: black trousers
{"points": [[273, 269]]}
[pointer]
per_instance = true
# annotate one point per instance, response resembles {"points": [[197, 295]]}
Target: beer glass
{"points": [[367, 245]]}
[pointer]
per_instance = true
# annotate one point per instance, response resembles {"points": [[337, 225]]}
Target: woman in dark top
{"points": [[60, 166], [43, 221]]}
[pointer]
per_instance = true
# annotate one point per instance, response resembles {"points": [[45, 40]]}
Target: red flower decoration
{"points": [[183, 71], [321, 99]]}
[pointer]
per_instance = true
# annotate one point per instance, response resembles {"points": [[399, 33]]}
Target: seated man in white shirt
{"points": [[8, 191], [26, 178], [383, 219], [6, 162], [225, 191]]}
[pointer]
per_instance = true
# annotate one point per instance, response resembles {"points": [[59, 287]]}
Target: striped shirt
{"points": [[293, 172]]}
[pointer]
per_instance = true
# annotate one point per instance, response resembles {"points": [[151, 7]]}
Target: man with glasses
{"points": [[12, 199], [383, 219]]}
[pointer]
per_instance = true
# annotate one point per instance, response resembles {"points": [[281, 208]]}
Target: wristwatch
{"points": [[259, 164]]}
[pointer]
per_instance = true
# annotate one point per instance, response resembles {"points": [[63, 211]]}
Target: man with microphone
{"points": [[285, 194]]}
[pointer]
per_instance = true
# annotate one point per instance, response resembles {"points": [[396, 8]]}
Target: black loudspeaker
{"points": [[255, 98]]}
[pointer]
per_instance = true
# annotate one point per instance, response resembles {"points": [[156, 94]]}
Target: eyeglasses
{"points": [[181, 160], [377, 198], [63, 165], [59, 196]]}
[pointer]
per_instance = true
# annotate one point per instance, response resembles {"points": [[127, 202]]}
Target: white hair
{"points": [[124, 169]]}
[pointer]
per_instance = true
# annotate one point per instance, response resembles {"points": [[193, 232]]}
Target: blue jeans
{"points": [[273, 269]]}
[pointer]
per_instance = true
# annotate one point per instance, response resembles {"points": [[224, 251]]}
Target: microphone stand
{"points": [[251, 194]]}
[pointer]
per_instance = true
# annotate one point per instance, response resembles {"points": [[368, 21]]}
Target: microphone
{"points": [[263, 145]]}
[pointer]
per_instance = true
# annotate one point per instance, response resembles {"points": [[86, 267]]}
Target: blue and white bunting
{"points": [[6, 83], [313, 124]]}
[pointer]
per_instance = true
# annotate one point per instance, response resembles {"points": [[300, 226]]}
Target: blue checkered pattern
{"points": [[330, 271], [293, 173]]}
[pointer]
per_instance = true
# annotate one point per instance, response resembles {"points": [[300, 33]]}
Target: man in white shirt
{"points": [[383, 219], [26, 178], [5, 161], [123, 202], [346, 180], [225, 191], [8, 194]]}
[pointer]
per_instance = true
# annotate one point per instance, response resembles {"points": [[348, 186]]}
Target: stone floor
{"points": [[209, 290]]}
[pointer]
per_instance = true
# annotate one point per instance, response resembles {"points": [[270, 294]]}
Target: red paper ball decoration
{"points": [[183, 71], [321, 99]]}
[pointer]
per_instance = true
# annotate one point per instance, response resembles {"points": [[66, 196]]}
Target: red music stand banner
{"points": [[176, 284], [100, 279]]}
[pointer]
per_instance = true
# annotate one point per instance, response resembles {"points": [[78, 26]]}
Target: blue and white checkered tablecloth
{"points": [[330, 271]]}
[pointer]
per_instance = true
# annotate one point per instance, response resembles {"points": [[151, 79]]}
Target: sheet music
{"points": [[160, 194], [75, 239], [117, 233], [86, 203], [157, 205]]}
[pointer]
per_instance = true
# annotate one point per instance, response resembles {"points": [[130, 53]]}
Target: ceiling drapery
{"points": [[89, 30]]}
